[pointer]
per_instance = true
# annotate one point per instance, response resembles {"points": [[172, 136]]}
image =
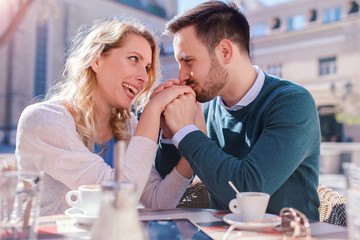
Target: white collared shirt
{"points": [[250, 95]]}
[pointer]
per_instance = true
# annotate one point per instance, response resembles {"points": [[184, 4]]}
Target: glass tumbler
{"points": [[20, 192]]}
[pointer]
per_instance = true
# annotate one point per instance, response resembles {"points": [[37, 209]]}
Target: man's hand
{"points": [[199, 119], [166, 133], [181, 112]]}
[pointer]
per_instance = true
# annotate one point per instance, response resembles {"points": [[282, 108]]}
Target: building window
{"points": [[354, 7], [313, 16], [40, 60], [295, 23], [259, 30], [327, 66], [332, 15], [275, 70], [276, 23]]}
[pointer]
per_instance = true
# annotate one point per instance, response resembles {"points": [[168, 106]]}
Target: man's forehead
{"points": [[178, 38], [184, 34], [178, 48], [187, 45]]}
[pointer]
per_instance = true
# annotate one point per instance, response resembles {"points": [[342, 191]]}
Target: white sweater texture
{"points": [[47, 129]]}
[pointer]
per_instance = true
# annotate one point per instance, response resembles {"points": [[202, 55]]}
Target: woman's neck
{"points": [[104, 131]]}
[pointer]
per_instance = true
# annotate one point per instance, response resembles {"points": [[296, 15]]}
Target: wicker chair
{"points": [[332, 207], [195, 196]]}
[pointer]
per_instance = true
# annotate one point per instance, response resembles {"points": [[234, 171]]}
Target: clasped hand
{"points": [[181, 110]]}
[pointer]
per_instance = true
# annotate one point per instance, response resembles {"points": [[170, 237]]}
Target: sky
{"points": [[185, 4]]}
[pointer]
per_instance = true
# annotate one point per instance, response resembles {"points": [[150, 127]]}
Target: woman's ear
{"points": [[226, 50], [95, 65]]}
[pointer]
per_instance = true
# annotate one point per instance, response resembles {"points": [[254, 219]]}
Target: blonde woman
{"points": [[110, 67]]}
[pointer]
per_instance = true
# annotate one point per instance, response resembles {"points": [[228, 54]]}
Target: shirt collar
{"points": [[250, 95]]}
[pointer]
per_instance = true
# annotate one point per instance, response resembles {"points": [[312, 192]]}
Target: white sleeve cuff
{"points": [[182, 133], [166, 140]]}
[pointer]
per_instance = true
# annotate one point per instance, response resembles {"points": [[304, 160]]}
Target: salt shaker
{"points": [[118, 218]]}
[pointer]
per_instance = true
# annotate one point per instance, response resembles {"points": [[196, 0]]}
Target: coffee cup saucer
{"points": [[80, 217], [235, 220]]}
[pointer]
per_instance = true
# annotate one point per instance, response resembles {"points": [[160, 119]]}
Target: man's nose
{"points": [[184, 74]]}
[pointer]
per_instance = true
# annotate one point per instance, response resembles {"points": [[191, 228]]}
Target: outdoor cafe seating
{"points": [[331, 210]]}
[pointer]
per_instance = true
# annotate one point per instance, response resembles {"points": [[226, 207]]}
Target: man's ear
{"points": [[95, 65], [226, 50]]}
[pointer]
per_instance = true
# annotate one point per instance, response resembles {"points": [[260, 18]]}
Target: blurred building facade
{"points": [[33, 59], [162, 8], [315, 44]]}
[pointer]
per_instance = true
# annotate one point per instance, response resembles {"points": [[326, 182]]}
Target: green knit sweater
{"points": [[272, 145]]}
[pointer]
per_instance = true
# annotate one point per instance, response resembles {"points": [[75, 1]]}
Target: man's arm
{"points": [[290, 133], [167, 157]]}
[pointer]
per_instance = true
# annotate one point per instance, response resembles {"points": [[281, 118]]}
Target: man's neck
{"points": [[239, 84]]}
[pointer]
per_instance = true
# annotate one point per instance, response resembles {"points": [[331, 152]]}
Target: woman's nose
{"points": [[143, 75]]}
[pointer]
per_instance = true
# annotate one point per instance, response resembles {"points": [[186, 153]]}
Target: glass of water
{"points": [[20, 192], [8, 183]]}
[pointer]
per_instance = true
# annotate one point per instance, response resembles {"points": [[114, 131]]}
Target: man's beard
{"points": [[217, 79]]}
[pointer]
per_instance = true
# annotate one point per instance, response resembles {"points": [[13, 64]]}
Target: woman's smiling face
{"points": [[122, 73]]}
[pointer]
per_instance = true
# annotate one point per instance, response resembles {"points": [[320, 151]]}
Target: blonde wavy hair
{"points": [[76, 88]]}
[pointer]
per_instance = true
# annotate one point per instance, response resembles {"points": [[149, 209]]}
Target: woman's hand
{"points": [[149, 121], [169, 83], [166, 95], [166, 133]]}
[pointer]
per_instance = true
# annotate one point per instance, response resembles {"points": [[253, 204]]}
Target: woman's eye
{"points": [[134, 58], [147, 69], [187, 60]]}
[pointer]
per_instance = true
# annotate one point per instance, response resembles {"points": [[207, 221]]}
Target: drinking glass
{"points": [[8, 183], [20, 192]]}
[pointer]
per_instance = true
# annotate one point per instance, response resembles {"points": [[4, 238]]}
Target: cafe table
{"points": [[208, 221]]}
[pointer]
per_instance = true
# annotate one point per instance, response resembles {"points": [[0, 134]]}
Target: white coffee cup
{"points": [[87, 199], [251, 205]]}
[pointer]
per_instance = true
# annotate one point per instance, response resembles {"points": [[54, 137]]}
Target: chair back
{"points": [[195, 196], [332, 207]]}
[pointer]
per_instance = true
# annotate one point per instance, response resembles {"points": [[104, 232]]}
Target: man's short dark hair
{"points": [[214, 21]]}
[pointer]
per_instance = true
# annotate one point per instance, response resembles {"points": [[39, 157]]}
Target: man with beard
{"points": [[263, 132]]}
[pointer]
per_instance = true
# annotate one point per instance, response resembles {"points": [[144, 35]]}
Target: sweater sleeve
{"points": [[164, 193], [153, 191], [289, 134], [167, 157], [48, 131]]}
